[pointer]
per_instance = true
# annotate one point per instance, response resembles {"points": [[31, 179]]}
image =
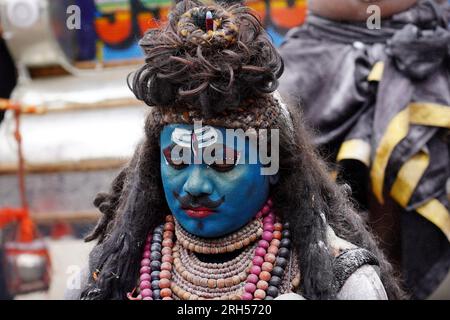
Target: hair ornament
{"points": [[210, 58]]}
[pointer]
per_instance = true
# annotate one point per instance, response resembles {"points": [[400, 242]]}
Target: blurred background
{"points": [[68, 122]]}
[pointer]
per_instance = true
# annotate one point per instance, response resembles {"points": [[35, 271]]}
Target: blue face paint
{"points": [[210, 199]]}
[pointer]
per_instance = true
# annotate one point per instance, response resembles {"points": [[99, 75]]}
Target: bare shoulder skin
{"points": [[363, 284], [356, 10]]}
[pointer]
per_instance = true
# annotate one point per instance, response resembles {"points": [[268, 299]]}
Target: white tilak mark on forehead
{"points": [[182, 137], [205, 136]]}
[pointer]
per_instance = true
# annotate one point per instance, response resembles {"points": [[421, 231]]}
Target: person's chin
{"points": [[213, 226], [210, 229]]}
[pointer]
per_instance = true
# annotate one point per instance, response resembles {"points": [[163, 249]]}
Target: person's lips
{"points": [[200, 212]]}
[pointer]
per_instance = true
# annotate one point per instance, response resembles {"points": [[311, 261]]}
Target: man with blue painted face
{"points": [[225, 198], [203, 196]]}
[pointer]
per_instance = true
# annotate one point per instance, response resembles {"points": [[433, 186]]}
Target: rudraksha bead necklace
{"points": [[170, 268]]}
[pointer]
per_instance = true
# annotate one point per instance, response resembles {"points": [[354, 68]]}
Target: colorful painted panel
{"points": [[112, 28]]}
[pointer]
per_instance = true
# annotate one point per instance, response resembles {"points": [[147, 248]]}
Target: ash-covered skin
{"points": [[235, 193]]}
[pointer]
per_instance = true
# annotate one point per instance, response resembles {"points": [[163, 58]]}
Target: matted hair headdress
{"points": [[210, 62]]}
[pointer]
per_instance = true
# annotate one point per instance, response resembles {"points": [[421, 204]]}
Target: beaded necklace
{"points": [[171, 270]]}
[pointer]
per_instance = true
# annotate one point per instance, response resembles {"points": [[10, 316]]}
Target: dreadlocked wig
{"points": [[226, 76]]}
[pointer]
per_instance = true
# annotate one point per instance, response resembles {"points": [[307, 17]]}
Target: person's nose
{"points": [[198, 183]]}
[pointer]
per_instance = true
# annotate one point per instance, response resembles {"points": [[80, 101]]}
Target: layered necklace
{"points": [[262, 267]]}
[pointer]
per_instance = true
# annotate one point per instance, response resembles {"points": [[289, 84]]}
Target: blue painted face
{"points": [[210, 198]]}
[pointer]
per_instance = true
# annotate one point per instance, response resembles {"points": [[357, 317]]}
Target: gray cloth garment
{"points": [[329, 69]]}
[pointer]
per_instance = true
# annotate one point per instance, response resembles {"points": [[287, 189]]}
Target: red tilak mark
{"points": [[209, 21], [194, 144]]}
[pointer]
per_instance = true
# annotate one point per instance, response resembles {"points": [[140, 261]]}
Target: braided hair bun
{"points": [[208, 57]]}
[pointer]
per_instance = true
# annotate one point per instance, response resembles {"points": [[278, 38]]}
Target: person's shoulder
{"points": [[356, 270], [363, 284], [336, 244]]}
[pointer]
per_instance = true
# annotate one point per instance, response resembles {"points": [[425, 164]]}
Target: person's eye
{"points": [[176, 163], [226, 163], [222, 167]]}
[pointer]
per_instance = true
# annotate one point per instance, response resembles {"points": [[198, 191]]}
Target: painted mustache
{"points": [[189, 202]]}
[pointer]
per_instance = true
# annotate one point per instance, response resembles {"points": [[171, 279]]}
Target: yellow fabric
{"points": [[427, 114], [438, 214], [377, 72], [430, 114], [408, 177], [355, 149], [396, 131]]}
